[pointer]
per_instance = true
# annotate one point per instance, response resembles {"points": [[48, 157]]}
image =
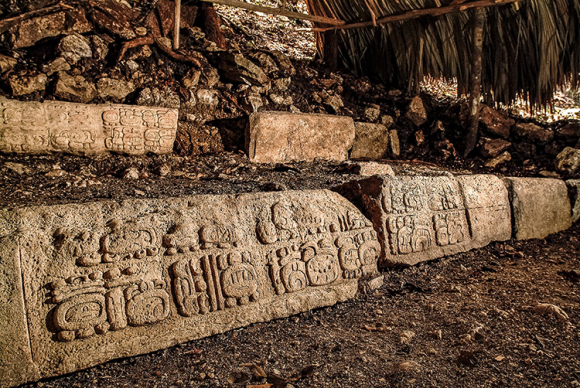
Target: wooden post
{"points": [[177, 24], [331, 49], [478, 22]]}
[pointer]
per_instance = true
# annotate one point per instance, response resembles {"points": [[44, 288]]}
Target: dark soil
{"points": [[482, 303]]}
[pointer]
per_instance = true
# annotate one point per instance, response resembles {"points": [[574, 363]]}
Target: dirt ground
{"points": [[466, 320]]}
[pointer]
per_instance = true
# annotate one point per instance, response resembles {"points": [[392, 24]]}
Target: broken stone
{"points": [[568, 161], [387, 121], [165, 98], [115, 18], [533, 133], [212, 77], [445, 148], [100, 47], [416, 112], [75, 47], [240, 69], [59, 64], [372, 114], [540, 206], [282, 84], [371, 141], [570, 131], [208, 97], [141, 31], [503, 158], [496, 123], [394, 143], [254, 101], [23, 85], [118, 279], [278, 137], [75, 89], [406, 337], [421, 218], [18, 168], [130, 173], [29, 32], [335, 103], [114, 88], [550, 309], [54, 126], [266, 62], [7, 63], [419, 138], [574, 191], [284, 63], [493, 147], [191, 79]]}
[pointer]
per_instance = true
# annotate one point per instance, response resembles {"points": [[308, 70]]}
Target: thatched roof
{"points": [[530, 48]]}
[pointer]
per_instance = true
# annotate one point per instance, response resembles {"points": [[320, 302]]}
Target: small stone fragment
{"points": [[335, 103], [7, 63], [371, 141], [114, 88], [59, 64], [568, 161], [23, 85], [550, 309], [372, 113], [75, 89], [18, 168], [387, 121], [371, 168], [496, 123], [394, 143], [75, 47], [406, 337], [131, 173], [533, 133], [416, 111], [406, 366], [282, 84], [491, 148], [503, 158], [240, 69]]}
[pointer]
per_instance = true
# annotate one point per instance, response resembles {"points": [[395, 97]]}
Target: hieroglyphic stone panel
{"points": [[106, 280], [53, 126], [423, 218]]}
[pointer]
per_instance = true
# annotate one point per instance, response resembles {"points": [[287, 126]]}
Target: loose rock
{"points": [[74, 89], [416, 112], [75, 47], [533, 133], [496, 123], [114, 88], [568, 161], [23, 85]]}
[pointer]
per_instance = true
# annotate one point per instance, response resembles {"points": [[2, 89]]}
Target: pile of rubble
{"points": [[112, 52]]}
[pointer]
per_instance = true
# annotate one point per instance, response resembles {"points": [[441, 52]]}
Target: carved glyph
{"points": [[52, 126]]}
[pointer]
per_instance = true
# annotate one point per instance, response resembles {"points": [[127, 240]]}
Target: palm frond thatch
{"points": [[530, 49]]}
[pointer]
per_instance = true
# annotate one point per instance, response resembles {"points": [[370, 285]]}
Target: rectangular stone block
{"points": [[53, 126], [278, 137], [420, 218], [540, 206], [86, 283]]}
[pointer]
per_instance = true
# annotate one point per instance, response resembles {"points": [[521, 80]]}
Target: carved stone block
{"points": [[421, 218], [540, 206], [37, 128], [84, 284], [278, 137]]}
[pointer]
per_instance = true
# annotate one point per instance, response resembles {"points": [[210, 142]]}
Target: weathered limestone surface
{"points": [[574, 191], [36, 128], [277, 137], [86, 283], [540, 206], [371, 141], [423, 218]]}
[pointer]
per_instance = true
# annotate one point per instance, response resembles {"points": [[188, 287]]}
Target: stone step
{"points": [[82, 284], [81, 129]]}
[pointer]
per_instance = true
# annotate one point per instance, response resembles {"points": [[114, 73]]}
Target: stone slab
{"points": [[371, 141], [86, 283], [420, 218], [278, 137], [53, 126], [540, 206], [574, 194]]}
